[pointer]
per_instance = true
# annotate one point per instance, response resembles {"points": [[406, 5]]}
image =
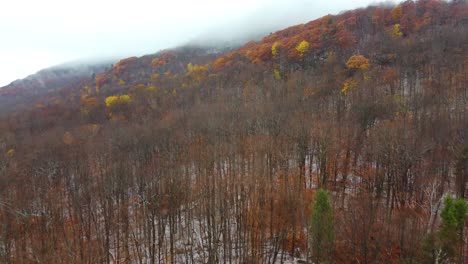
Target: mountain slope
{"points": [[48, 81], [205, 156]]}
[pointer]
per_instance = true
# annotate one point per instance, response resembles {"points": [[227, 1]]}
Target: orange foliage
{"points": [[358, 62], [164, 58], [332, 32], [68, 138], [315, 33], [90, 102], [390, 75], [397, 12], [259, 53], [220, 63], [138, 87], [123, 64]]}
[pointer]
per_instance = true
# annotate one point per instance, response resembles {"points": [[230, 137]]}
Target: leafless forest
{"points": [[200, 156]]}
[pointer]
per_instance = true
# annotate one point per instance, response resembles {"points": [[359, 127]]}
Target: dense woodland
{"points": [[336, 141]]}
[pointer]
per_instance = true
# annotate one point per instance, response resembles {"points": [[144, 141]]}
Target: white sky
{"points": [[35, 34]]}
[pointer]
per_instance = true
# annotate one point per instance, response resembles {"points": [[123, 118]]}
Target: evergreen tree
{"points": [[321, 227], [447, 244]]}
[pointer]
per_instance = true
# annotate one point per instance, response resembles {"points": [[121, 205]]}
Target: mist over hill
{"points": [[40, 36], [343, 139]]}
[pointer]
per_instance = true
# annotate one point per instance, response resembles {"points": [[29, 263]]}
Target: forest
{"points": [[341, 140]]}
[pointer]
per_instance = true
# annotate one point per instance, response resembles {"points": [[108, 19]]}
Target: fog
{"points": [[40, 34]]}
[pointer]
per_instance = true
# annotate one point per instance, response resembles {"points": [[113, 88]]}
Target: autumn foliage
{"points": [[358, 62], [333, 141], [118, 103]]}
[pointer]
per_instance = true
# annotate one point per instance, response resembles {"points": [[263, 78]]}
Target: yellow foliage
{"points": [[87, 90], [274, 49], [277, 74], [121, 82], [303, 47], [154, 76], [195, 68], [367, 77], [189, 67], [114, 100], [348, 84], [358, 62], [125, 98], [396, 31], [196, 72], [111, 100], [167, 73], [10, 152]]}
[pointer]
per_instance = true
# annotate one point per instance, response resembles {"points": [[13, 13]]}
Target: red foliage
{"points": [[123, 64], [345, 38], [164, 58]]}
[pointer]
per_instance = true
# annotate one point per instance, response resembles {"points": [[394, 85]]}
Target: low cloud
{"points": [[44, 33]]}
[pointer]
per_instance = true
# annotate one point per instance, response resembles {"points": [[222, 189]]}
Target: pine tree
{"points": [[453, 221], [447, 244], [321, 227]]}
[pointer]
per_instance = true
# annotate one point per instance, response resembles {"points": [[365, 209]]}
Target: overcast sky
{"points": [[35, 34]]}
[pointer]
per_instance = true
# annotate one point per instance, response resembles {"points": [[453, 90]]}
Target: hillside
{"points": [[19, 93], [340, 140]]}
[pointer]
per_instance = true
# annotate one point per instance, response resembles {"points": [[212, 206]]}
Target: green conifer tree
{"points": [[321, 228]]}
